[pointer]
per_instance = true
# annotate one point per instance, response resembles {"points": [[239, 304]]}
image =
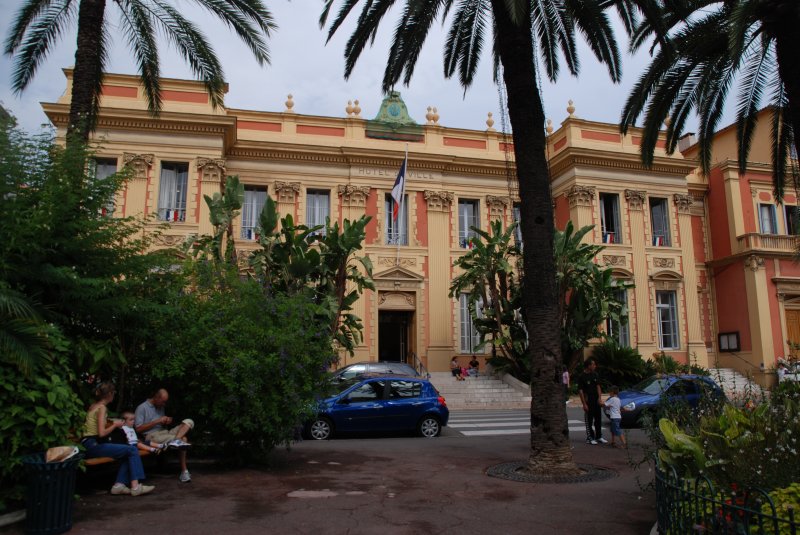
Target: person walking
{"points": [[589, 390]]}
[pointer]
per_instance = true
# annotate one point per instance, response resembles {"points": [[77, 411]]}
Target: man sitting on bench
{"points": [[151, 421]]}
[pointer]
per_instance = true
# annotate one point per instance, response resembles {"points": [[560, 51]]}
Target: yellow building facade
{"points": [[655, 223]]}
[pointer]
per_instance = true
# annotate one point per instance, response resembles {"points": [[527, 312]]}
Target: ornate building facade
{"points": [[656, 223]]}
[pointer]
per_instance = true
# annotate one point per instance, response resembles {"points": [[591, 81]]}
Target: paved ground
{"points": [[398, 485]]}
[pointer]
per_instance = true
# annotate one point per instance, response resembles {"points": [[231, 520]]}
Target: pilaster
{"points": [[440, 307], [137, 190], [644, 310], [211, 172], [695, 342], [286, 193], [755, 278], [497, 206], [581, 202]]}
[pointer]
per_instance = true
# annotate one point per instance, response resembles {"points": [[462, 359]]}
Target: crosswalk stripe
{"points": [[488, 432], [501, 422]]}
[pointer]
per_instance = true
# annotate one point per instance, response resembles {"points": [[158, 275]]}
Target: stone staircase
{"points": [[482, 392], [735, 385]]}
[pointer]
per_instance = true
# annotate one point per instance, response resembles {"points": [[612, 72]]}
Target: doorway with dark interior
{"points": [[394, 327]]}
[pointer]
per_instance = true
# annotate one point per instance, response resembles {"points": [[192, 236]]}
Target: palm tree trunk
{"points": [[550, 447], [87, 75]]}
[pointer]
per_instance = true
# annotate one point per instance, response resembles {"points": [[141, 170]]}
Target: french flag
{"points": [[398, 189]]}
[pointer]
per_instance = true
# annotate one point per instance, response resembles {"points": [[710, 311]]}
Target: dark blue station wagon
{"points": [[375, 403]]}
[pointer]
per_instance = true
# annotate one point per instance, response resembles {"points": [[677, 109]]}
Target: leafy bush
{"points": [[38, 412], [244, 365], [621, 366], [783, 499]]}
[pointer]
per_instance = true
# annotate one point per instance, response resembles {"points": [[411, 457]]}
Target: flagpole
{"points": [[400, 210]]}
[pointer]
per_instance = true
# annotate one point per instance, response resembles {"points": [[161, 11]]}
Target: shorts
{"points": [[165, 435], [616, 427]]}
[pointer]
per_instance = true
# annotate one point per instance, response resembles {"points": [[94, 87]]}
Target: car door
{"points": [[362, 407], [683, 391], [405, 405]]}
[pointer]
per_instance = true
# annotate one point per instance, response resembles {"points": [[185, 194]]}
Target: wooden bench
{"points": [[96, 461]]}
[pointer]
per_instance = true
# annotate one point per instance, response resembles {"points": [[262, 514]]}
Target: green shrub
{"points": [[783, 499], [244, 365], [38, 412], [621, 366]]}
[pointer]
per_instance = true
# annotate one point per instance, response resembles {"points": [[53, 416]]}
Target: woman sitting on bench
{"points": [[96, 429]]}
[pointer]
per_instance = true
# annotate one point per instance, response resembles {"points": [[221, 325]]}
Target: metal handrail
{"points": [[419, 366]]}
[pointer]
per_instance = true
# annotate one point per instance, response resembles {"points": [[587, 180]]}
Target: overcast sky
{"points": [[303, 65]]}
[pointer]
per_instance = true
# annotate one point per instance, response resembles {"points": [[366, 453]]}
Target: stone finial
{"points": [[435, 116], [289, 104], [549, 127], [490, 123], [429, 116], [356, 108], [349, 108], [571, 109]]}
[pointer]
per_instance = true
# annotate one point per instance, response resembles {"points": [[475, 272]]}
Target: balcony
{"points": [[770, 243]]}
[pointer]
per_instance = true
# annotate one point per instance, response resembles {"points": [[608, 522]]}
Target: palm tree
{"points": [[513, 24], [39, 23], [703, 48]]}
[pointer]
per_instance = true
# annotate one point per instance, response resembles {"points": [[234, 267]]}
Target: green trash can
{"points": [[51, 491]]}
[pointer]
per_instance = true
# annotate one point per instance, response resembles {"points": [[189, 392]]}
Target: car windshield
{"points": [[653, 386]]}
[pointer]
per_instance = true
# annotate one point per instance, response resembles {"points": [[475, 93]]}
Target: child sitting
{"points": [[127, 435]]}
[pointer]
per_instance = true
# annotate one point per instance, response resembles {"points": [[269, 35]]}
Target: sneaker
{"points": [[185, 477], [178, 444], [601, 440], [593, 442], [119, 489], [142, 489]]}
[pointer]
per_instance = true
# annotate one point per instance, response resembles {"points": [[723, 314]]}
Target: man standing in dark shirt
{"points": [[589, 385]]}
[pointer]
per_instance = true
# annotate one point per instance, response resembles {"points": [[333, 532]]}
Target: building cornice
{"points": [[579, 156]]}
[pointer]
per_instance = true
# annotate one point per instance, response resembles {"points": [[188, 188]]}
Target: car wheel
{"points": [[320, 429], [429, 427]]}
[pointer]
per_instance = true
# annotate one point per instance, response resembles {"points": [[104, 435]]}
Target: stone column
{"points": [[354, 200], [756, 285], [581, 202], [644, 310], [211, 173], [137, 193], [440, 306], [287, 198], [695, 343]]}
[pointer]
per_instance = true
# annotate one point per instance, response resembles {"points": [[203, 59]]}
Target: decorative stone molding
{"points": [[212, 170], [753, 262], [788, 287], [354, 195], [497, 205], [683, 202], [287, 191], [635, 198], [580, 195], [392, 261], [139, 163], [406, 298], [663, 262], [614, 260], [171, 240], [753, 192], [439, 201]]}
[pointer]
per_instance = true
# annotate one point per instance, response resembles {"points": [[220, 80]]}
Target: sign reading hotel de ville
{"points": [[390, 173]]}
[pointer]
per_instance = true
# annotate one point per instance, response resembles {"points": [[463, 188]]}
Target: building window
{"points": [[729, 342], [667, 319], [467, 218], [659, 219], [792, 220], [618, 331], [609, 218], [172, 192], [254, 200], [396, 229], [517, 214], [469, 334], [101, 169], [767, 218], [317, 209]]}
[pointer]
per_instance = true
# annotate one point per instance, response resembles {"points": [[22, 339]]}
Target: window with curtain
{"points": [[172, 191], [792, 221], [318, 204], [667, 319], [396, 229], [609, 218], [467, 218], [254, 200], [101, 169], [618, 331], [469, 334], [517, 214], [659, 220], [766, 214]]}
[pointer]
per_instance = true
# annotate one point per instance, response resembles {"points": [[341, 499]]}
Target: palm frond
{"points": [[594, 24], [410, 34], [758, 66], [782, 139], [239, 15], [366, 29], [465, 40], [137, 26]]}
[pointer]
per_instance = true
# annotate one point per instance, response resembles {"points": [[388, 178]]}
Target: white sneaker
{"points": [[119, 489], [178, 444], [601, 440], [593, 442], [142, 490], [185, 477]]}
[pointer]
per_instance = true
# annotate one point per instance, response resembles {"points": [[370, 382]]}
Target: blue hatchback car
{"points": [[650, 393], [371, 403]]}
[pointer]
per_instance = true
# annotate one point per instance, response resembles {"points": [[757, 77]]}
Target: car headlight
{"points": [[630, 406]]}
